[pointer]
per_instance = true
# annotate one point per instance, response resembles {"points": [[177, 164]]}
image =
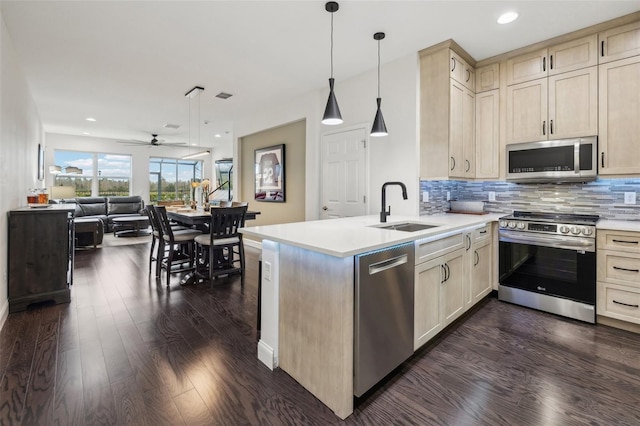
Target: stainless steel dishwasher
{"points": [[383, 313]]}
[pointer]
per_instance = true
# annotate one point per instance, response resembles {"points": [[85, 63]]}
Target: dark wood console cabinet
{"points": [[40, 255]]}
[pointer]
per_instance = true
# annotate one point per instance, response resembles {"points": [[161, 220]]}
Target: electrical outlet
{"points": [[425, 197], [492, 196], [629, 197], [266, 271], [448, 196]]}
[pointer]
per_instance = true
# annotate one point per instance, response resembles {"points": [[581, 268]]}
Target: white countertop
{"points": [[619, 225], [350, 236]]}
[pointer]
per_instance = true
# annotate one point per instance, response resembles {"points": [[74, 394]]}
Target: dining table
{"points": [[200, 219]]}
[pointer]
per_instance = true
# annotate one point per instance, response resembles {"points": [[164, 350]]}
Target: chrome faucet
{"points": [[384, 213]]}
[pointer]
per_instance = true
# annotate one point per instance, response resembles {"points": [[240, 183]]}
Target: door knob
{"points": [[325, 208]]}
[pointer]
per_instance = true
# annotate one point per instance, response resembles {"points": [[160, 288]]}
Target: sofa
{"points": [[102, 209]]}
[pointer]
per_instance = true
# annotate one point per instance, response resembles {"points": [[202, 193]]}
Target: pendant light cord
{"points": [[378, 68], [331, 44]]}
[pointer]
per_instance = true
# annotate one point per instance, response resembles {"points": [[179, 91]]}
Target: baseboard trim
{"points": [[265, 355], [252, 243], [616, 323], [4, 314]]}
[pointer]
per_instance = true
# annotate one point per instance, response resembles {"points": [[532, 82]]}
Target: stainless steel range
{"points": [[548, 262]]}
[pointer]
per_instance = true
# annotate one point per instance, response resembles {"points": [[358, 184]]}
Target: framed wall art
{"points": [[40, 162], [269, 174]]}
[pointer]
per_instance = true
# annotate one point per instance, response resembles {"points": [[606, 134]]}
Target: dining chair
{"points": [[216, 254], [179, 243]]}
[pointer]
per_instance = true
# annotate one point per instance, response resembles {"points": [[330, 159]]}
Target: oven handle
{"points": [[553, 241]]}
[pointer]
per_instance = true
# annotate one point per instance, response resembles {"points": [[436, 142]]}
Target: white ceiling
{"points": [[129, 63]]}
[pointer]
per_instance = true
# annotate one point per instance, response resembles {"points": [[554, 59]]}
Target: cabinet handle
{"points": [[468, 165], [453, 163], [550, 127], [551, 62], [483, 232], [448, 271], [626, 304], [444, 274], [453, 64], [468, 242], [625, 242], [544, 127], [477, 258], [602, 160], [468, 76], [544, 64], [602, 48], [626, 269]]}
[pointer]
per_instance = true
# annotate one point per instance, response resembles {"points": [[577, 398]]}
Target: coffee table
{"points": [[130, 225]]}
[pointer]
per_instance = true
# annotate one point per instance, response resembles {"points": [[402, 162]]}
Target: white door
{"points": [[343, 174]]}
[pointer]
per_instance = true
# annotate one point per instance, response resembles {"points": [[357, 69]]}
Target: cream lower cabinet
{"points": [[619, 110], [478, 264], [618, 290]]}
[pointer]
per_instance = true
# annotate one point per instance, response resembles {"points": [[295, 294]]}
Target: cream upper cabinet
{"points": [[561, 58], [561, 106], [619, 43], [619, 117], [447, 117], [488, 78], [488, 134], [461, 131], [461, 71]]}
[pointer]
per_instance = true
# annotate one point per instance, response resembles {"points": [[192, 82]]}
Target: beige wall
{"points": [[293, 136]]}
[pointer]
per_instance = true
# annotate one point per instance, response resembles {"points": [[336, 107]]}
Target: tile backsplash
{"points": [[604, 197]]}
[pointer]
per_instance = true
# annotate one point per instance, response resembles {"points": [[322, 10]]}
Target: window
{"points": [[99, 174], [170, 178]]}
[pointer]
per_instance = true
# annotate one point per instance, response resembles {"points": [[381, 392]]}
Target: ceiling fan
{"points": [[153, 142]]}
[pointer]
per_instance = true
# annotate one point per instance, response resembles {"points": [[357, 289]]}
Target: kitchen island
{"points": [[308, 293]]}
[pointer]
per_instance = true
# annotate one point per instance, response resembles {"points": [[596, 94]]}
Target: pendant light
{"points": [[379, 128], [332, 114]]}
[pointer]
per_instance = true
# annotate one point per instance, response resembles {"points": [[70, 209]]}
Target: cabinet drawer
{"points": [[427, 249], [618, 302], [482, 234], [619, 267], [618, 240]]}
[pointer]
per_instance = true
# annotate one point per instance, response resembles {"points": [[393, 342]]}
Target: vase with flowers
{"points": [[205, 185], [194, 185]]}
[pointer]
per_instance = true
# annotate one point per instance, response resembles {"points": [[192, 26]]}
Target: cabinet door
{"points": [[456, 130], [527, 111], [527, 67], [488, 134], [481, 271], [573, 104], [619, 43], [619, 112], [427, 319], [469, 133], [461, 71], [488, 78], [573, 55], [452, 290]]}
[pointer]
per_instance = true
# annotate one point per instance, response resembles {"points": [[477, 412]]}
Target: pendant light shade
{"points": [[332, 114], [378, 128]]}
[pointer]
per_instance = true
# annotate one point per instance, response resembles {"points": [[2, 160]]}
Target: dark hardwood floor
{"points": [[127, 350]]}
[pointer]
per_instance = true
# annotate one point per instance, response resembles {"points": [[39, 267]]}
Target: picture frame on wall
{"points": [[40, 162], [269, 174]]}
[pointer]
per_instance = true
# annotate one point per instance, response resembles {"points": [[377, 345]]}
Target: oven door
{"points": [[552, 265]]}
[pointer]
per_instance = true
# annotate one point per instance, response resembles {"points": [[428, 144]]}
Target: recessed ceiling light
{"points": [[218, 135], [507, 17], [90, 119]]}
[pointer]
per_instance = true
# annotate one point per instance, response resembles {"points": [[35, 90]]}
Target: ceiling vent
{"points": [[223, 95], [171, 126]]}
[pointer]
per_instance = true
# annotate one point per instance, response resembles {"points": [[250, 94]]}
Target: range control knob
{"points": [[503, 224], [512, 224], [564, 229], [575, 230], [520, 225], [587, 231]]}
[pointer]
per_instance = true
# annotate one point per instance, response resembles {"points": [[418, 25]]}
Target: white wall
{"points": [[139, 161], [20, 134], [391, 158]]}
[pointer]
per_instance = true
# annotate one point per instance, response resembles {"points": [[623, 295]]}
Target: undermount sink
{"points": [[408, 226]]}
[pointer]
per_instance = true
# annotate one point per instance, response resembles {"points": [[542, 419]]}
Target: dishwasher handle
{"points": [[387, 264]]}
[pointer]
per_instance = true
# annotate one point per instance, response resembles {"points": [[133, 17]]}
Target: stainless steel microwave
{"points": [[564, 160]]}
